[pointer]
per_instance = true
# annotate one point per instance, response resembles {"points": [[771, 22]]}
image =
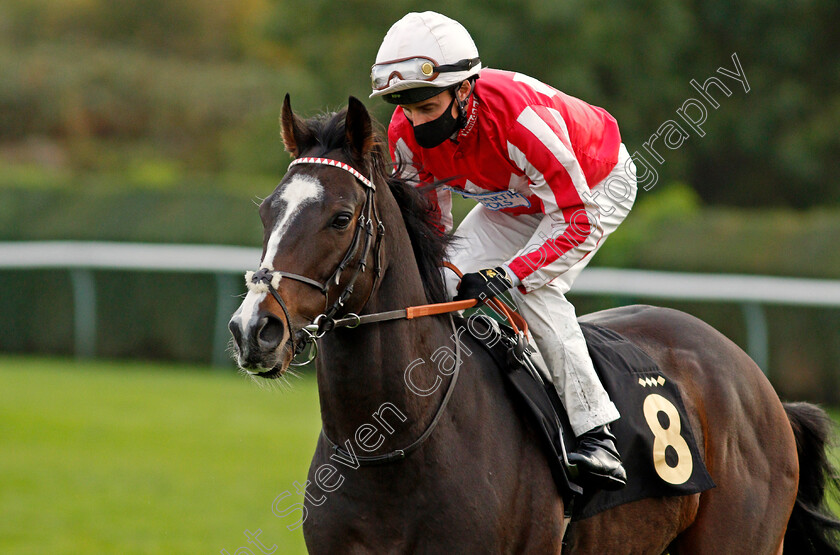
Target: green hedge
{"points": [[182, 216], [666, 230], [170, 316], [669, 230]]}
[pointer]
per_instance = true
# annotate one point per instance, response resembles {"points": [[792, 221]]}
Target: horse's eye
{"points": [[342, 220]]}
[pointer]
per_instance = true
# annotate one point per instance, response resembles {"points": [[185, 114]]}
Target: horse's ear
{"points": [[359, 128], [293, 129]]}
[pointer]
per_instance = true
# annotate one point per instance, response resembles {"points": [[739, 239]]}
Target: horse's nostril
{"points": [[236, 332], [271, 332]]}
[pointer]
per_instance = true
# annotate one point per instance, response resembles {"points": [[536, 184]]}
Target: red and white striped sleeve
{"points": [[539, 145]]}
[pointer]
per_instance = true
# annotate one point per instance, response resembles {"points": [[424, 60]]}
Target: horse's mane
{"points": [[427, 241]]}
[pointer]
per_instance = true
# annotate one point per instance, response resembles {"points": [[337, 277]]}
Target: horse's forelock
{"points": [[326, 133]]}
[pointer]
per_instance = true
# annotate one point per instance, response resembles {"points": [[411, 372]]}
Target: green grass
{"points": [[131, 458], [99, 457]]}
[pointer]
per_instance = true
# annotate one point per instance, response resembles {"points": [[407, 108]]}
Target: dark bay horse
{"points": [[456, 469]]}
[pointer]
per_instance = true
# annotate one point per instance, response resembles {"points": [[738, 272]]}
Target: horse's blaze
{"points": [[261, 347]]}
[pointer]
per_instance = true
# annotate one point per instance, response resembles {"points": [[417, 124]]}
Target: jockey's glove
{"points": [[484, 284]]}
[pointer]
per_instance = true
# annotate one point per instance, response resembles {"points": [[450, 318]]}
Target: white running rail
{"points": [[228, 263]]}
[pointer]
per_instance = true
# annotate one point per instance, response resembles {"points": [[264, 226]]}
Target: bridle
{"points": [[268, 280], [369, 233]]}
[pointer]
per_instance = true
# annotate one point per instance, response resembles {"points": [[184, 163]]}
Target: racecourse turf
{"points": [[130, 458]]}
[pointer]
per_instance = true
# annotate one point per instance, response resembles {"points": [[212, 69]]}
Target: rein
{"points": [[400, 454], [268, 280]]}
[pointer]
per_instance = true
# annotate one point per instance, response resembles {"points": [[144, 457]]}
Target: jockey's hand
{"points": [[484, 284]]}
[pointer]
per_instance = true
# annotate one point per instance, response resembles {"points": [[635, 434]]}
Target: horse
{"points": [[408, 461]]}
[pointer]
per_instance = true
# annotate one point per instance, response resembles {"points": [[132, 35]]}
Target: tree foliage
{"points": [[202, 80]]}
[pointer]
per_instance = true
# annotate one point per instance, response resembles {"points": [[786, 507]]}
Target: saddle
{"points": [[653, 437]]}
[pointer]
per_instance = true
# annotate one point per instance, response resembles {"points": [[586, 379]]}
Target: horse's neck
{"points": [[363, 369]]}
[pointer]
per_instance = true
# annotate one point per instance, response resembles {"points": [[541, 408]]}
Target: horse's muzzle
{"points": [[261, 347]]}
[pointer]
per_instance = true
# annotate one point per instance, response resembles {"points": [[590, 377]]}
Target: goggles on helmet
{"points": [[418, 68]]}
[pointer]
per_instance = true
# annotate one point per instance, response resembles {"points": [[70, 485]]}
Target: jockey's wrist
{"points": [[513, 277]]}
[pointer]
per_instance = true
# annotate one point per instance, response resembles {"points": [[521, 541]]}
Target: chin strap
{"points": [[463, 116]]}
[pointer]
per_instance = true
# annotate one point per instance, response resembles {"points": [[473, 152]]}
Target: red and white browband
{"points": [[336, 164]]}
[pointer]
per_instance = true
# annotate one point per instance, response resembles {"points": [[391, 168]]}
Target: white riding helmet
{"points": [[421, 55]]}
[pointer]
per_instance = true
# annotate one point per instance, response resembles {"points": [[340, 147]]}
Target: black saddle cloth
{"points": [[656, 444]]}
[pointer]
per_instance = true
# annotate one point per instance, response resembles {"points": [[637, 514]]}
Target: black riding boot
{"points": [[598, 459]]}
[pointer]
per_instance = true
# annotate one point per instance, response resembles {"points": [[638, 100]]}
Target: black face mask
{"points": [[432, 133]]}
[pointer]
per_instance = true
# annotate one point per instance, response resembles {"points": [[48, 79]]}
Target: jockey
{"points": [[552, 180]]}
